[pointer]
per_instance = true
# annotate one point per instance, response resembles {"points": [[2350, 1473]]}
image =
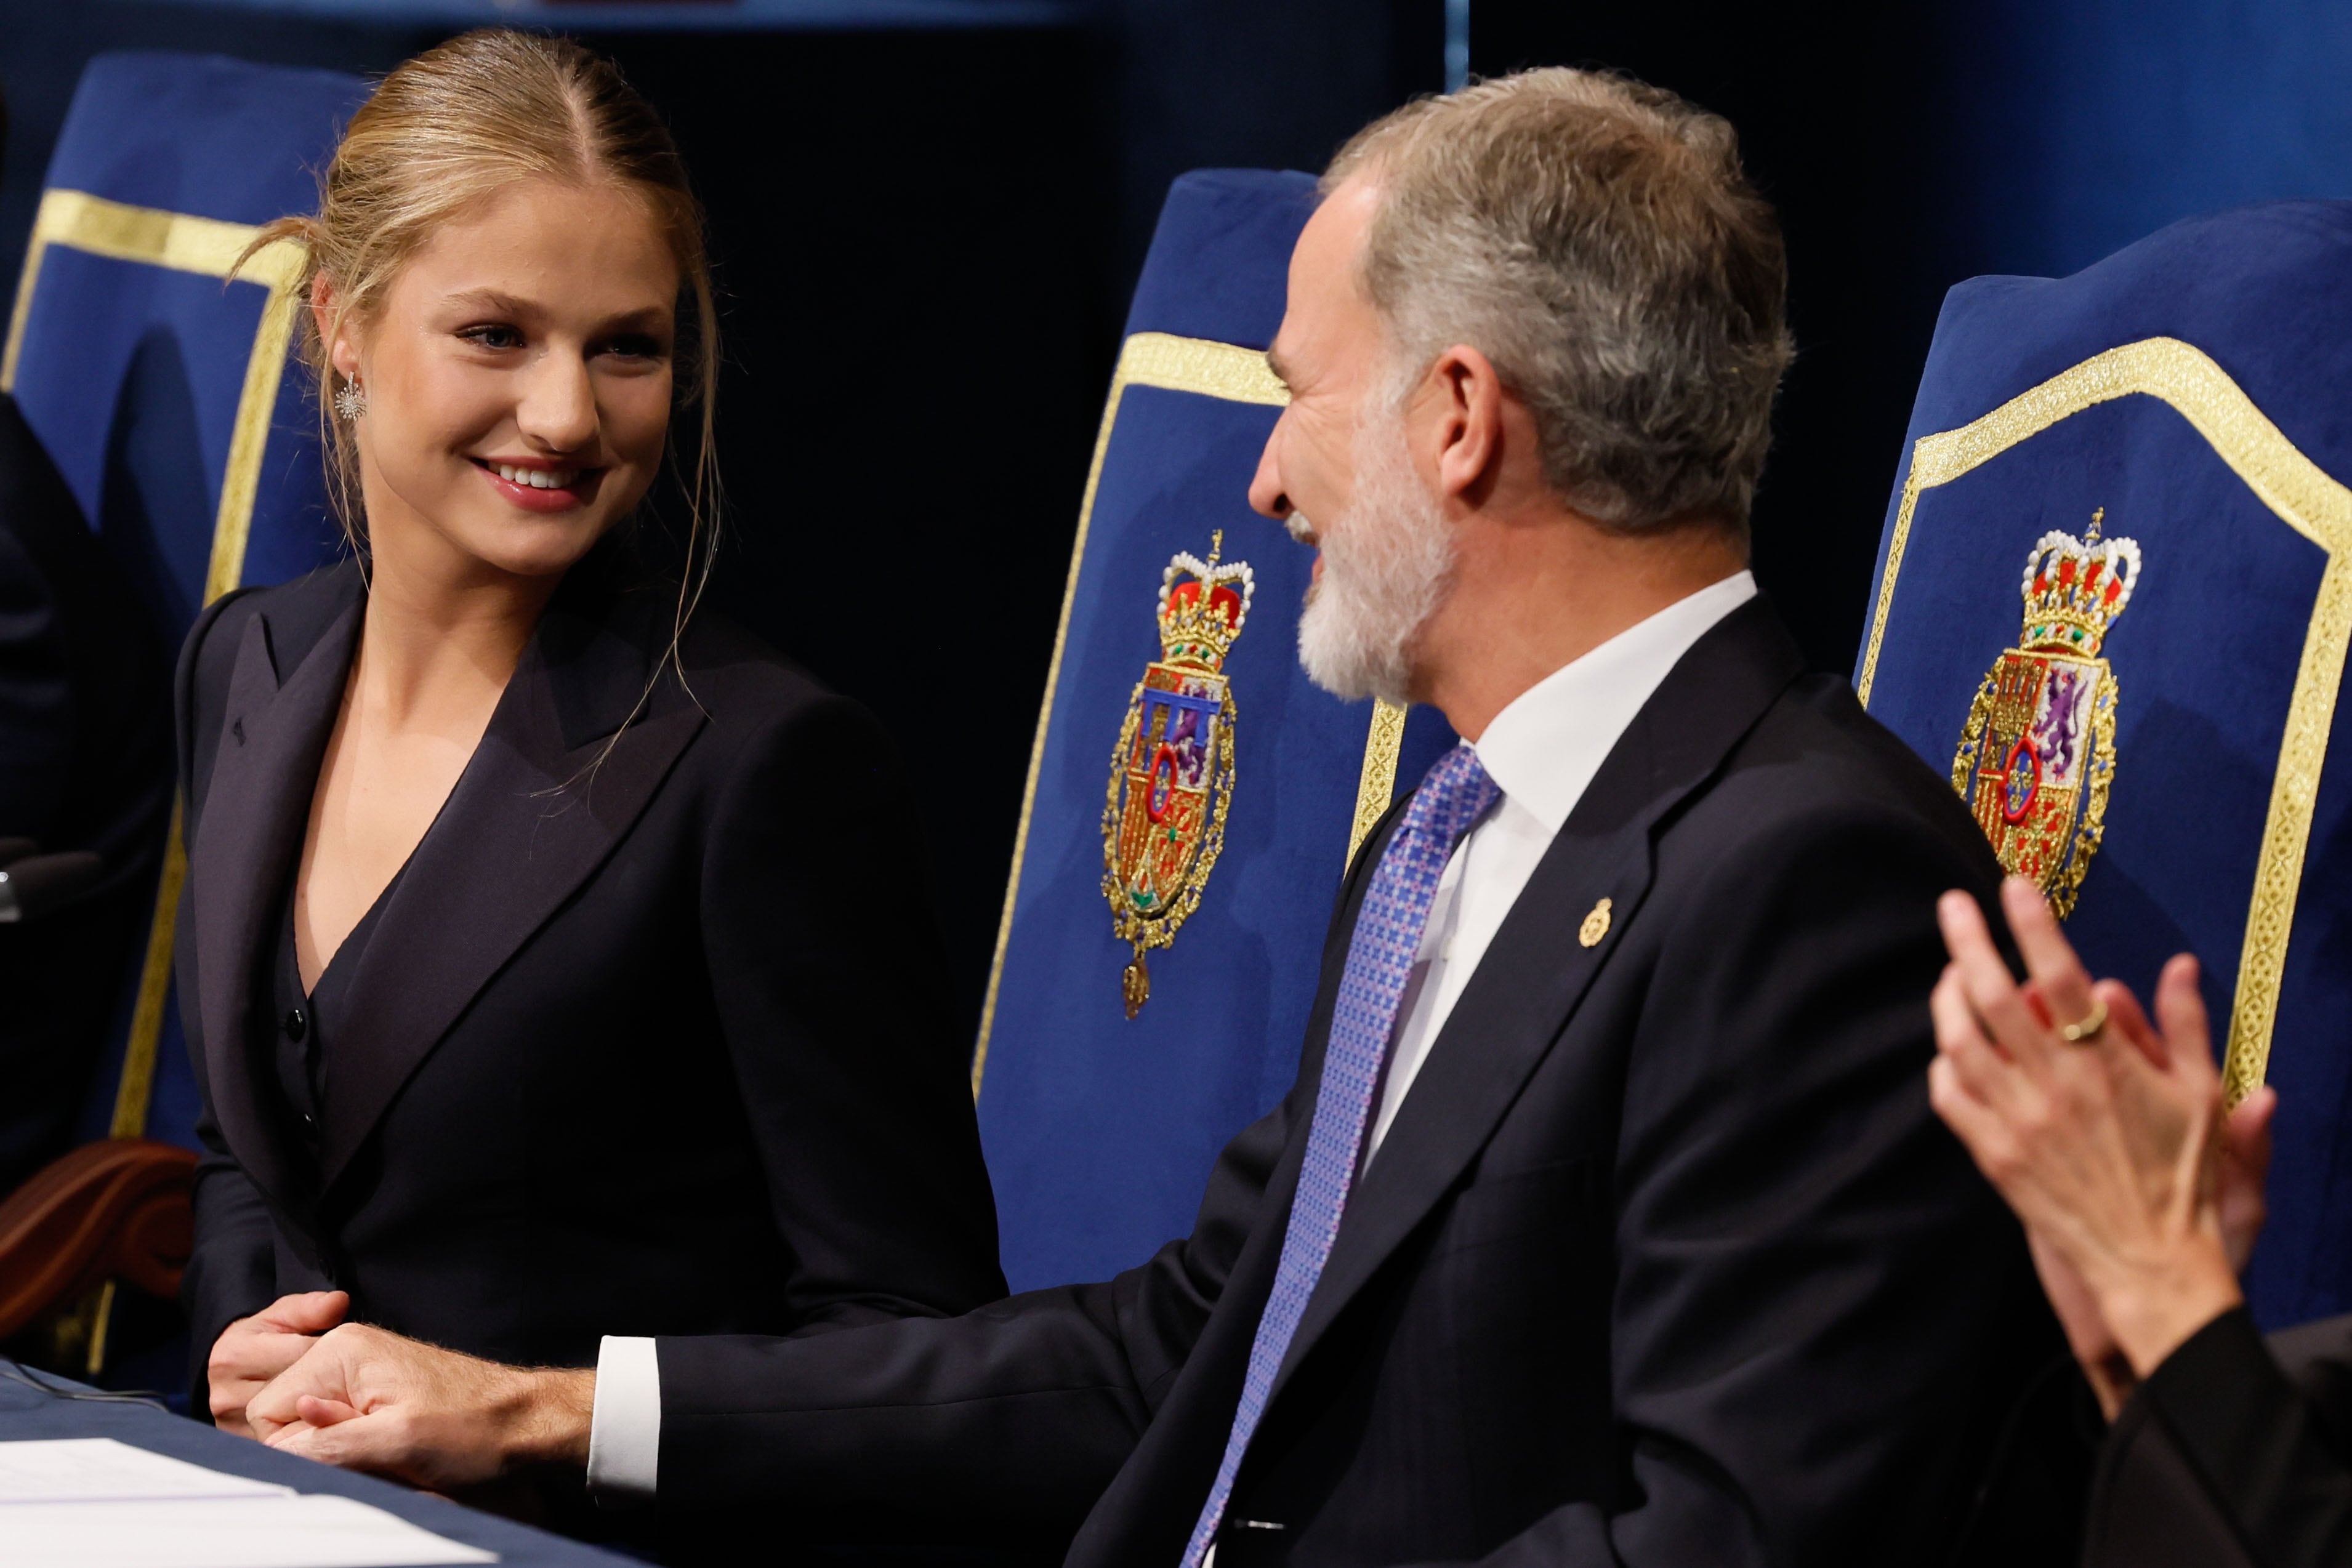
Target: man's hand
{"points": [[251, 1351], [369, 1400]]}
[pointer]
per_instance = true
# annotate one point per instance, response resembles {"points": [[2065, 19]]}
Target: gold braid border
{"points": [[1377, 786], [1211, 369], [209, 248], [2306, 499]]}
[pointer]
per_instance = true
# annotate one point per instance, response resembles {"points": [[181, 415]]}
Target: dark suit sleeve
{"points": [[1004, 1424], [825, 962], [1810, 1277], [2219, 1459], [232, 1270], [826, 969]]}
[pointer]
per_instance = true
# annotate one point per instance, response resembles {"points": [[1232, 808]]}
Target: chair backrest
{"points": [[2113, 599], [1192, 800], [158, 387]]}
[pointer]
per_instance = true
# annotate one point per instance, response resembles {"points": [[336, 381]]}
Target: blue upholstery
{"points": [[134, 355], [1100, 1129], [2217, 443]]}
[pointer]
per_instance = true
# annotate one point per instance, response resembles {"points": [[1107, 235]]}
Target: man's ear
{"points": [[342, 354], [1466, 397]]}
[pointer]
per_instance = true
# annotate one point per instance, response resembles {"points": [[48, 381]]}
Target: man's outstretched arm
{"points": [[1008, 1420]]}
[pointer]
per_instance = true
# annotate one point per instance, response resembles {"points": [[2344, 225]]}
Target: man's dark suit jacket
{"points": [[1664, 1260], [2233, 1454], [85, 764], [650, 1035]]}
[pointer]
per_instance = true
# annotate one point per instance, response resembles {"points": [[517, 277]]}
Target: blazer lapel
{"points": [[539, 806], [257, 805], [1536, 971]]}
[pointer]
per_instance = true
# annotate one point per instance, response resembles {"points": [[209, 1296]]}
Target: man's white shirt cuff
{"points": [[624, 1431]]}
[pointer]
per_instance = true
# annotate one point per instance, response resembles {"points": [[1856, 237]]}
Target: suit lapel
{"points": [[539, 806], [256, 804], [1536, 969]]}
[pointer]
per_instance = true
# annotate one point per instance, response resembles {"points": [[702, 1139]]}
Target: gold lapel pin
{"points": [[1595, 927]]}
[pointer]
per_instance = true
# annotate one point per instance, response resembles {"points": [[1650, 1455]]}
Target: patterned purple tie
{"points": [[1380, 954]]}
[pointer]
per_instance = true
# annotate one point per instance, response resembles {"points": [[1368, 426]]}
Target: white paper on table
{"points": [[99, 1469], [283, 1532]]}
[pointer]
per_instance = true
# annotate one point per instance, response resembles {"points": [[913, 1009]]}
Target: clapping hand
{"points": [[2141, 1197]]}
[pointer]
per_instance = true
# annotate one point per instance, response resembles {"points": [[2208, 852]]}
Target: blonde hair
{"points": [[448, 128], [1598, 240]]}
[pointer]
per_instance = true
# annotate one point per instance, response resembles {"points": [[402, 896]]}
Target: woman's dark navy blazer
{"points": [[649, 1037]]}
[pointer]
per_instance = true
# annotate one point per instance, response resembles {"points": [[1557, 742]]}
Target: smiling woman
{"points": [[529, 172], [549, 971]]}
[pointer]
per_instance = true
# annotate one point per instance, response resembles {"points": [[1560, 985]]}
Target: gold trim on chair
{"points": [[1377, 785], [2307, 499], [1211, 369], [209, 248], [179, 241]]}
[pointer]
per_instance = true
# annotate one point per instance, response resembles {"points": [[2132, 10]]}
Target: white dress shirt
{"points": [[1542, 750]]}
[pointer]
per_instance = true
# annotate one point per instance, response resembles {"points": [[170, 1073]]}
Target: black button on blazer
{"points": [[647, 1038]]}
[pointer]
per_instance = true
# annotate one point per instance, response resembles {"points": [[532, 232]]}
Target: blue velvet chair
{"points": [[1192, 800], [158, 387], [2113, 600]]}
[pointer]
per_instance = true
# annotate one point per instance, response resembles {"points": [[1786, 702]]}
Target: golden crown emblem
{"points": [[2074, 588], [2037, 753], [1201, 618], [1171, 773]]}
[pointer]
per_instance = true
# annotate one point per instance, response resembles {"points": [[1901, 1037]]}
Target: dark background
{"points": [[928, 214]]}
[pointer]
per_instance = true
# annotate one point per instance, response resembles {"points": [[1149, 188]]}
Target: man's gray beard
{"points": [[1388, 561]]}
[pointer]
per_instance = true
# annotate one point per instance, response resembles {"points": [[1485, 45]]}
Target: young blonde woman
{"points": [[554, 956]]}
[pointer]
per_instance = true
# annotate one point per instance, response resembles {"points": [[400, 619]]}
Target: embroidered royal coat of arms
{"points": [[1171, 775], [2038, 753]]}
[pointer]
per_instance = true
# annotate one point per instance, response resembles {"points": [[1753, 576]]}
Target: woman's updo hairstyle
{"points": [[444, 132]]}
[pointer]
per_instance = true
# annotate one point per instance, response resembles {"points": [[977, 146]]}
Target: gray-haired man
{"points": [[1607, 1220]]}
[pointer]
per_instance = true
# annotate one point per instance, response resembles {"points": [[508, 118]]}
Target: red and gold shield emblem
{"points": [[1172, 772], [2038, 753]]}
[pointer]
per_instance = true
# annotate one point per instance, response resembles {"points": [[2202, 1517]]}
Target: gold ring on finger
{"points": [[2086, 1029]]}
